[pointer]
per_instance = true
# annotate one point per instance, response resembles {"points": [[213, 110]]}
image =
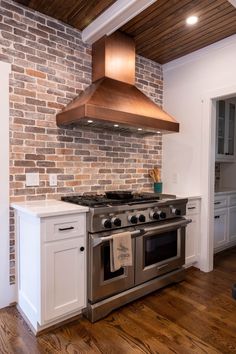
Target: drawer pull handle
{"points": [[216, 203], [190, 208], [217, 216], [66, 228]]}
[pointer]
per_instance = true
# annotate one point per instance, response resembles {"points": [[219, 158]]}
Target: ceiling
{"points": [[159, 31], [77, 13]]}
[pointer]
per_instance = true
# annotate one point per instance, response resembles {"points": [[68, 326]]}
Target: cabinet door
{"points": [[64, 277], [220, 228], [232, 224], [231, 129], [225, 130], [192, 237], [220, 128]]}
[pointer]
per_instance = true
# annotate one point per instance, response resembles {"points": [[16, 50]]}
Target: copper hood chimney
{"points": [[113, 101]]}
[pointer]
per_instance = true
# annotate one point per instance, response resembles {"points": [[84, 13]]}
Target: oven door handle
{"points": [[177, 224], [98, 240]]}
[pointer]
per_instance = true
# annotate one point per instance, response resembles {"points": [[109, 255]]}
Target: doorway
{"points": [[208, 171], [225, 172]]}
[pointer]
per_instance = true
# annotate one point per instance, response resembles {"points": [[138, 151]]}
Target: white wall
{"points": [[7, 292], [189, 84]]}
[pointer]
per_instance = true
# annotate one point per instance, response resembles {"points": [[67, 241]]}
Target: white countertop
{"points": [[49, 207], [190, 197], [226, 191]]}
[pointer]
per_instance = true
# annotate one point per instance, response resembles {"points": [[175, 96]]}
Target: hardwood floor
{"points": [[195, 316]]}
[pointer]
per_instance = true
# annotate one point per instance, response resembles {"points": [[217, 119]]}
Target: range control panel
{"points": [[135, 217]]}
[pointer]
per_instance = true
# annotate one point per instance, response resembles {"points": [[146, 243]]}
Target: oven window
{"points": [[158, 248], [105, 249]]}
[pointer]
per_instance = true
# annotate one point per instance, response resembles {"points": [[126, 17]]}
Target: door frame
{"points": [[7, 291], [208, 172]]}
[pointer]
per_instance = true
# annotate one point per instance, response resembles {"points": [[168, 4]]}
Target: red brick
{"points": [[35, 73]]}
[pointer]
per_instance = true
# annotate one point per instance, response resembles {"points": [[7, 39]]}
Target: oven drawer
{"points": [[63, 227]]}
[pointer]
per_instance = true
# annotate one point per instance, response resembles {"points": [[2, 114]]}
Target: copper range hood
{"points": [[113, 101]]}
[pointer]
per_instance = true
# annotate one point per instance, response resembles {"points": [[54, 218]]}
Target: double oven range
{"points": [[157, 226]]}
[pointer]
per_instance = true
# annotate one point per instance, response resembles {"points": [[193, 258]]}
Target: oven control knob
{"points": [[116, 222], [133, 219], [141, 218], [107, 223], [162, 215], [154, 215], [175, 211]]}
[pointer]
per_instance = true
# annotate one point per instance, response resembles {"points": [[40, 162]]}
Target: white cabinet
{"points": [[224, 221], [225, 130], [221, 202], [220, 227], [64, 274], [192, 232], [51, 267], [232, 224]]}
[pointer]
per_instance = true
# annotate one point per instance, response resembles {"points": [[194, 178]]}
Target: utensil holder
{"points": [[158, 187]]}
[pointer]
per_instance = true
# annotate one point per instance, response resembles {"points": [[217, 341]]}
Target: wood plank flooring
{"points": [[195, 316]]}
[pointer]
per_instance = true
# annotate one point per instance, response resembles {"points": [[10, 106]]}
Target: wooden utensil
{"points": [[157, 174], [152, 175]]}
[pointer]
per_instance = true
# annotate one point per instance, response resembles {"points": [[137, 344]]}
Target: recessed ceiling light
{"points": [[116, 125], [191, 20], [90, 121], [140, 129]]}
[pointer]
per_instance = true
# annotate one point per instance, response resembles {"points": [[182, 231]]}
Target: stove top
{"points": [[108, 211], [96, 201]]}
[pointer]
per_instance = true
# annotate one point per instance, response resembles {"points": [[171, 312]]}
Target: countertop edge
{"points": [[32, 208], [192, 197]]}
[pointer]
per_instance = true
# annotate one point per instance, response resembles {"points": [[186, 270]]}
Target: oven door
{"points": [[160, 250], [103, 283]]}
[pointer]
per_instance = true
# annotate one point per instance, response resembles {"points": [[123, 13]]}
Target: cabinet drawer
{"points": [[63, 227], [232, 200], [193, 207], [220, 202]]}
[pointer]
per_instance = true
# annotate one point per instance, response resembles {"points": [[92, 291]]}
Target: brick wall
{"points": [[50, 66]]}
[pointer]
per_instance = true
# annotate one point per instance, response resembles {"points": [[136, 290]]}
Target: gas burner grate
{"points": [[100, 200]]}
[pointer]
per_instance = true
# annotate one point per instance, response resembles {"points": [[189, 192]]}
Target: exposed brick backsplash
{"points": [[50, 67]]}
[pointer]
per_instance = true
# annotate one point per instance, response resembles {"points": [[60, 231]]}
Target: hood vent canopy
{"points": [[113, 101]]}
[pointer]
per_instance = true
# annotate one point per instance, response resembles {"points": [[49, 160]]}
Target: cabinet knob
{"points": [[82, 249]]}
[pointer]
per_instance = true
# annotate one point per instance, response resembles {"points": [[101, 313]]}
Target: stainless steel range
{"points": [[157, 225]]}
